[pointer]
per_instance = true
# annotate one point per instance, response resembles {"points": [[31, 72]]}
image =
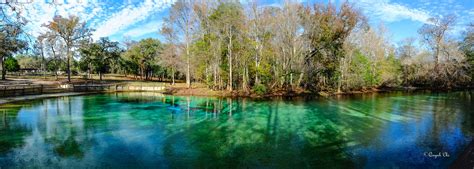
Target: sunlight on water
{"points": [[141, 130]]}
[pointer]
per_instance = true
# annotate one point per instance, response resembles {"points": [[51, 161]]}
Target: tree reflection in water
{"points": [[143, 130]]}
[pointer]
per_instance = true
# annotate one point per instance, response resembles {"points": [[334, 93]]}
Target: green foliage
{"points": [[100, 56], [467, 46], [11, 40], [72, 32], [390, 71], [327, 33], [143, 56], [362, 69], [259, 89], [318, 47], [54, 64], [29, 61], [201, 51], [11, 64]]}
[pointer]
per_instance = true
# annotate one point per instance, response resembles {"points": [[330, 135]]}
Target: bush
{"points": [[259, 89], [11, 64]]}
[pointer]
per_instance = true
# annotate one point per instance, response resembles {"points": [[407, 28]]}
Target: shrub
{"points": [[259, 89]]}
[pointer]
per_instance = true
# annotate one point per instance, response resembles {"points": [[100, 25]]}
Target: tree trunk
{"points": [[43, 62], [300, 79], [245, 78], [4, 71], [188, 73], [57, 67], [436, 55], [69, 64], [215, 75], [339, 80], [89, 75], [141, 73], [256, 65], [100, 76], [172, 76], [229, 48]]}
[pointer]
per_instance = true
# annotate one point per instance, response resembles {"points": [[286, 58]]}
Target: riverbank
{"points": [[200, 90], [204, 91], [115, 83]]}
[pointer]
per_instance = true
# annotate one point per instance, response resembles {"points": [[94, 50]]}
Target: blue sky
{"points": [[138, 19]]}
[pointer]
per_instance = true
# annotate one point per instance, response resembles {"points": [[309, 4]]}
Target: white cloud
{"points": [[129, 16], [41, 12], [391, 12], [104, 18], [151, 27]]}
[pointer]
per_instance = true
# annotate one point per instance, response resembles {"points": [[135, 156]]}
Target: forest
{"points": [[227, 45]]}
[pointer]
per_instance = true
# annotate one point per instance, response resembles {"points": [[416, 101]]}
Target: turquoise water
{"points": [[147, 130]]}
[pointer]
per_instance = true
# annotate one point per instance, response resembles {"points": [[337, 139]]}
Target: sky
{"points": [[139, 19]]}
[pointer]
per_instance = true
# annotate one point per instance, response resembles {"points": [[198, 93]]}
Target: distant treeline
{"points": [[231, 46]]}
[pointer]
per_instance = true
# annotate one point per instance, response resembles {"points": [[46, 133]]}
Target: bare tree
{"points": [[434, 34], [54, 48], [184, 19], [71, 30], [290, 41], [169, 57], [407, 51]]}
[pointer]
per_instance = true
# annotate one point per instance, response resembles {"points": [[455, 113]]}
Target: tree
{"points": [[11, 43], [467, 46], [144, 55], [11, 64], [28, 61], [54, 49], [434, 35], [327, 28], [256, 32], [183, 21], [39, 49], [455, 69], [450, 68], [372, 43], [169, 56], [100, 55], [11, 25], [71, 31], [406, 52], [227, 18], [290, 42]]}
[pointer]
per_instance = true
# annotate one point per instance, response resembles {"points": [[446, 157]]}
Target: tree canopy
{"points": [[228, 45]]}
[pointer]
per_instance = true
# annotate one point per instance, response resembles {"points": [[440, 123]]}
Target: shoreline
{"points": [[205, 92], [295, 93]]}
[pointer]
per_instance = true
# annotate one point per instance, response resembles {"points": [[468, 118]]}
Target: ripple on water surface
{"points": [[143, 130]]}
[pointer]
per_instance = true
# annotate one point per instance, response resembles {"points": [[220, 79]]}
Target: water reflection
{"points": [[143, 130]]}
